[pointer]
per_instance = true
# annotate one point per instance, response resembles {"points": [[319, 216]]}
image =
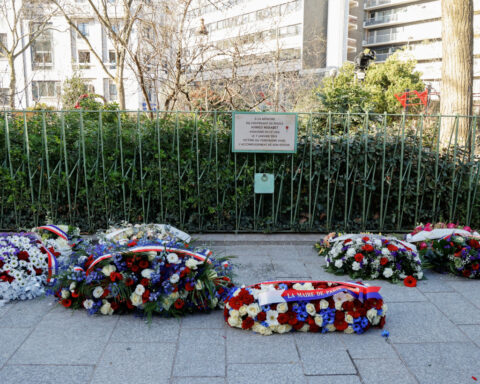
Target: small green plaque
{"points": [[264, 183]]}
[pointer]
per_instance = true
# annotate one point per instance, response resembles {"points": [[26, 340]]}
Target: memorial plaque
{"points": [[264, 132]]}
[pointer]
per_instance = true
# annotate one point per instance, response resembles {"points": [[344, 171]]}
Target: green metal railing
{"points": [[373, 172]]}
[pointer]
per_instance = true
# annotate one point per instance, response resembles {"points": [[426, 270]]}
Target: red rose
{"points": [[365, 239], [358, 257], [179, 303], [475, 266], [143, 264], [262, 316], [339, 315], [145, 282], [129, 282], [105, 293], [292, 318], [383, 261], [75, 294], [314, 327], [347, 305], [410, 281], [66, 303], [247, 323], [341, 325], [129, 304], [368, 248], [23, 255], [115, 276], [379, 304], [381, 324], [145, 295], [466, 273], [190, 287], [298, 325], [115, 305], [474, 243], [135, 268], [282, 318], [392, 248], [236, 303]]}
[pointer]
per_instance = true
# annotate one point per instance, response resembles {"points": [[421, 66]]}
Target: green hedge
{"points": [[179, 169]]}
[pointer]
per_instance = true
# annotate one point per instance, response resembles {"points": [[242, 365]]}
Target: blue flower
{"points": [[385, 334]]}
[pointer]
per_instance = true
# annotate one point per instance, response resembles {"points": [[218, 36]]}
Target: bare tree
{"points": [[457, 67], [117, 19], [25, 22]]}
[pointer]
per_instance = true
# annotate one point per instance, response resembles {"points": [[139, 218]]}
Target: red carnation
{"points": [[145, 282], [358, 257], [474, 243], [341, 325], [248, 323], [143, 264], [23, 255], [347, 305], [466, 273], [368, 248], [262, 316], [115, 305], [339, 315], [129, 304], [129, 282], [75, 294], [475, 266], [383, 261], [190, 287], [310, 320], [66, 303], [179, 303], [365, 239], [236, 303], [298, 325], [135, 268], [292, 318], [314, 327], [410, 281], [392, 248], [115, 276]]}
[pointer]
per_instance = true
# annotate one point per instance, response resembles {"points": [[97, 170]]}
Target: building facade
{"points": [[414, 25]]}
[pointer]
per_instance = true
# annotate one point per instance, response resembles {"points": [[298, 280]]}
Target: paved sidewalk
{"points": [[434, 336]]}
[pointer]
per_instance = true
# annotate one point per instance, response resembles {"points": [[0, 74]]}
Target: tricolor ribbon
{"points": [[286, 295], [57, 231], [147, 248], [52, 265]]}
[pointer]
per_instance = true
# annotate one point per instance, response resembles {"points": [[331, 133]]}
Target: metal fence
{"points": [[351, 172]]}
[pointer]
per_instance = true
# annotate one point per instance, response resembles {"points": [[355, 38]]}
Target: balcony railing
{"points": [[376, 3]]}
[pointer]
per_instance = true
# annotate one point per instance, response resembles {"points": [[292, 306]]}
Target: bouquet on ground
{"points": [[425, 234], [59, 237], [142, 278], [26, 265], [454, 253], [374, 256], [307, 306], [325, 244], [154, 233]]}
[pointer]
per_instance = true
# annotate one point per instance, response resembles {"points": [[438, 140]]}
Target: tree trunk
{"points": [[13, 82], [457, 69], [119, 80]]}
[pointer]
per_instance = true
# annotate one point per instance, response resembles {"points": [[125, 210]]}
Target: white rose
{"points": [[283, 328], [384, 308], [140, 289], [319, 320], [243, 310], [338, 305], [282, 307], [65, 293], [351, 252], [385, 252], [323, 304], [174, 278], [172, 258], [136, 299], [338, 263], [151, 255], [305, 328], [98, 292], [349, 330], [356, 266], [331, 328], [199, 285], [308, 287], [272, 317], [253, 310], [108, 269], [387, 272], [147, 273], [419, 275], [174, 296], [234, 321], [234, 313], [378, 243], [191, 264], [88, 304], [310, 309], [73, 286], [297, 286], [349, 319], [372, 315], [106, 308]]}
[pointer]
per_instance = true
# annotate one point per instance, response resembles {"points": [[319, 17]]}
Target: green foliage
{"points": [[72, 89], [376, 93], [179, 169]]}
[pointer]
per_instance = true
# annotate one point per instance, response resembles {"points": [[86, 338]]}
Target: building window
{"points": [[4, 96], [83, 29], [110, 90], [45, 89], [112, 59], [84, 59], [42, 53], [3, 41]]}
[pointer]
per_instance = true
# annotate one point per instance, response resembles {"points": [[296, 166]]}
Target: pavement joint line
{"points": [[104, 349], [180, 328], [50, 365], [465, 297], [355, 366], [404, 363], [26, 337], [226, 351]]}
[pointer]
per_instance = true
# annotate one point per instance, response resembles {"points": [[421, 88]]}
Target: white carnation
{"points": [[282, 307], [387, 272], [338, 263], [147, 273], [140, 289], [174, 278], [98, 292], [356, 266], [106, 308], [310, 309], [108, 269], [88, 304], [173, 258], [253, 310]]}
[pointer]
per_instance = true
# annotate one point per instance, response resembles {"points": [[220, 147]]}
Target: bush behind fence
{"points": [[351, 172]]}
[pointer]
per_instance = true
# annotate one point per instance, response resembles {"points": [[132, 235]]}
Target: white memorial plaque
{"points": [[264, 132]]}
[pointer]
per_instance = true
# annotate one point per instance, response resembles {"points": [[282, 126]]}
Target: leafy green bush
{"points": [[179, 169]]}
